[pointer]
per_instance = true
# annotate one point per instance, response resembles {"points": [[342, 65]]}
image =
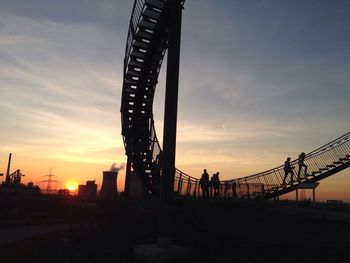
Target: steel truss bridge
{"points": [[145, 49]]}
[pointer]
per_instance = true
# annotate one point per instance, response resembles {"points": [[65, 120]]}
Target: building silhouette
{"points": [[88, 190]]}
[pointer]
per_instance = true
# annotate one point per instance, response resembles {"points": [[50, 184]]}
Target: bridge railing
{"points": [[270, 181], [136, 15], [186, 185], [328, 156], [318, 161]]}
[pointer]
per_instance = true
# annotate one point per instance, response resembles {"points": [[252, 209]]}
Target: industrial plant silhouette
{"points": [[166, 215]]}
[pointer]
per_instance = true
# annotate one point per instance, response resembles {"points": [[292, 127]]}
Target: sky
{"points": [[259, 81]]}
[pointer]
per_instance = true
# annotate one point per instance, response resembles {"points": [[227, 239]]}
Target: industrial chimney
{"points": [[109, 189]]}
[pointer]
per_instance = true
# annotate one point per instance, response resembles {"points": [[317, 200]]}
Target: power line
{"points": [[49, 181]]}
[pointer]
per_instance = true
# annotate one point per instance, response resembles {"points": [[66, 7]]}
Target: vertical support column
{"points": [[195, 189], [8, 169], [127, 179], [313, 195], [170, 121], [297, 194], [179, 184]]}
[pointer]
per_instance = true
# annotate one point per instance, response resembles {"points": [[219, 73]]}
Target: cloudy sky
{"points": [[259, 81]]}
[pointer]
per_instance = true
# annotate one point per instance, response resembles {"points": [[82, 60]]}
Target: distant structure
{"points": [[88, 190], [14, 178], [13, 186], [109, 189], [63, 192], [49, 181], [312, 186]]}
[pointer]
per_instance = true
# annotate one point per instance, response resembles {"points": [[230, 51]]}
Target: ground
{"points": [[240, 231]]}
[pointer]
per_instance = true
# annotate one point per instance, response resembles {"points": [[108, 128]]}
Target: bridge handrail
{"points": [[259, 184], [136, 16], [307, 156]]}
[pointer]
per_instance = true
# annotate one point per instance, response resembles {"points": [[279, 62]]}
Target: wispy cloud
{"points": [[274, 75], [58, 104]]}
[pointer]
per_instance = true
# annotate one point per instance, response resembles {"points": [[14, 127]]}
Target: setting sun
{"points": [[71, 186]]}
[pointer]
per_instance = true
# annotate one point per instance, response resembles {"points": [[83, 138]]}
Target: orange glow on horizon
{"points": [[72, 173], [72, 186]]}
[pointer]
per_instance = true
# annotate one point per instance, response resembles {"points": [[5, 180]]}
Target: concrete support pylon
{"points": [[164, 250], [136, 194], [170, 125]]}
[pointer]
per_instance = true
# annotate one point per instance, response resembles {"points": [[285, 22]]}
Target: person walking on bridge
{"points": [[215, 181], [204, 183], [288, 169], [302, 164]]}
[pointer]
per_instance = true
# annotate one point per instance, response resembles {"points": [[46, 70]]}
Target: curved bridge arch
{"points": [[145, 49]]}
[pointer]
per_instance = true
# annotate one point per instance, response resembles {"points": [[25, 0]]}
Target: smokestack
{"points": [[8, 169], [109, 189]]}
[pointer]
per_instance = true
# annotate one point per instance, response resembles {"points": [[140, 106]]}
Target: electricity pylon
{"points": [[49, 181]]}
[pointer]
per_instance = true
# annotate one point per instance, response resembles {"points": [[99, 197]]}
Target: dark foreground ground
{"points": [[214, 232]]}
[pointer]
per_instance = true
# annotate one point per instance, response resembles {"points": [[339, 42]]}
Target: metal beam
{"points": [[170, 122], [8, 179]]}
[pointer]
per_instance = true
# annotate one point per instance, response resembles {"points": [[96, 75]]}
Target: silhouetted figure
{"points": [[234, 192], [211, 186], [301, 164], [287, 170], [215, 181], [204, 183]]}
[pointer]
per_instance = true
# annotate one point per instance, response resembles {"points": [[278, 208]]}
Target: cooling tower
{"points": [[109, 189]]}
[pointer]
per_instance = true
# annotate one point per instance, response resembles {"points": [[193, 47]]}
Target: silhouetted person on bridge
{"points": [[211, 186], [288, 169], [215, 181], [204, 183], [234, 192], [301, 164]]}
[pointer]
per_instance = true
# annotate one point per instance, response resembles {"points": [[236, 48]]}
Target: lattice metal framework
{"points": [[145, 49]]}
